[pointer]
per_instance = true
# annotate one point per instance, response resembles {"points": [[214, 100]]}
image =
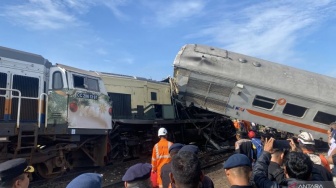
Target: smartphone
{"points": [[281, 144]]}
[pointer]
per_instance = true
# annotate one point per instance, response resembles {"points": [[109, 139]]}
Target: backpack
{"points": [[259, 147]]}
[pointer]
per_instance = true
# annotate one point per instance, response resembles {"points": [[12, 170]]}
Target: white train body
{"points": [[253, 89]]}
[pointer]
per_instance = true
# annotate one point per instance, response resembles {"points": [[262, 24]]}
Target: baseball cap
{"points": [[175, 147], [87, 180], [138, 171], [237, 160]]}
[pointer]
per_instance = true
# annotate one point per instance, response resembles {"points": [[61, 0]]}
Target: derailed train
{"points": [[60, 117], [260, 91]]}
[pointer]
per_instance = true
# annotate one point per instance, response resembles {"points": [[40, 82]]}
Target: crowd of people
{"points": [[260, 161]]}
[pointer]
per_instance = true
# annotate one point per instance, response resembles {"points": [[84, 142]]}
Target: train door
{"points": [[58, 97], [88, 102]]}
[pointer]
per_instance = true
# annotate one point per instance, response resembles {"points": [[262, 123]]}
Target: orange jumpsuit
{"points": [[160, 157]]}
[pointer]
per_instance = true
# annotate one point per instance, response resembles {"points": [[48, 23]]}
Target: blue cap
{"points": [[175, 147], [138, 171], [87, 180], [237, 160], [190, 148]]}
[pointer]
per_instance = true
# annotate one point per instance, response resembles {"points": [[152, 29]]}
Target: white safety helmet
{"points": [[306, 138], [162, 132]]}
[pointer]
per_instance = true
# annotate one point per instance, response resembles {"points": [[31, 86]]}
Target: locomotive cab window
{"points": [[294, 110], [263, 102], [325, 118], [92, 84], [57, 80], [78, 81], [85, 83]]}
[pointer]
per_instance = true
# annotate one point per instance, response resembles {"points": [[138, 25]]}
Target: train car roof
{"points": [[130, 77], [23, 56], [250, 70], [77, 70]]}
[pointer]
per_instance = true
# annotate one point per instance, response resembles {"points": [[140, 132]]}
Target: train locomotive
{"points": [[60, 117]]}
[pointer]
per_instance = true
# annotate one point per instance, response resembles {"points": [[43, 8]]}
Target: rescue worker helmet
{"points": [[162, 132]]}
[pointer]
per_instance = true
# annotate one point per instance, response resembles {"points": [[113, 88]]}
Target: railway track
{"points": [[112, 173], [207, 160]]}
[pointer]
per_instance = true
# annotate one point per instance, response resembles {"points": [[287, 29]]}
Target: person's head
{"points": [[298, 165], [138, 176], [238, 169], [241, 135], [86, 180], [278, 156], [162, 132], [185, 170], [190, 148], [174, 148], [251, 134], [14, 173], [306, 141]]}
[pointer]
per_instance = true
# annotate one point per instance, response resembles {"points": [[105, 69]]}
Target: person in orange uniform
{"points": [[160, 154]]}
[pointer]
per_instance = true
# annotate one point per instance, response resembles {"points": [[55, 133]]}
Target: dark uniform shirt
{"points": [[241, 186], [275, 172]]}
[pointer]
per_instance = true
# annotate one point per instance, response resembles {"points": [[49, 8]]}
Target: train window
{"points": [[263, 102], [3, 82], [294, 110], [78, 81], [92, 84], [57, 80], [153, 96], [322, 117]]}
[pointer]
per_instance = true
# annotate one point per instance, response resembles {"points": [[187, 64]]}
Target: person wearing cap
{"points": [[14, 173], [160, 155], [238, 170], [86, 180], [185, 170], [166, 168], [138, 176]]}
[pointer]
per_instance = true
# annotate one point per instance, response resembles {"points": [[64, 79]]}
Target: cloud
{"points": [[269, 30], [167, 14], [40, 14], [55, 15]]}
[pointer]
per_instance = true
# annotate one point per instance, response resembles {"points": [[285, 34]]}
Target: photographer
{"points": [[297, 167]]}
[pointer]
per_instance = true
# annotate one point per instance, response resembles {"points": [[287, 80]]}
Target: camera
{"points": [[281, 144]]}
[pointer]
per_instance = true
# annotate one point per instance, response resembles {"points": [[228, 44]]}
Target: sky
{"points": [[142, 37]]}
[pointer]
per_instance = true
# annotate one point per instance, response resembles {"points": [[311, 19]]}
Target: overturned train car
{"points": [[245, 87]]}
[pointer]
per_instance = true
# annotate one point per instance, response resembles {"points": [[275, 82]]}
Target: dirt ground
{"points": [[217, 175]]}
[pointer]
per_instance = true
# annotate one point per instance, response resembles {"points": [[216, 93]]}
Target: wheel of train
{"points": [[51, 168]]}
